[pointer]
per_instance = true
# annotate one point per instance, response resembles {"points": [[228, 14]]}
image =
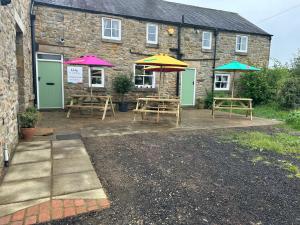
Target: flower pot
{"points": [[123, 106], [27, 133]]}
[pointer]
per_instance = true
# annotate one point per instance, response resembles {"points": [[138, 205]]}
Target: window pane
{"points": [[218, 84], [115, 33], [107, 23], [206, 36], [138, 80], [49, 57], [152, 29], [96, 76], [148, 81], [139, 70], [224, 78], [115, 24], [152, 37], [107, 32]]}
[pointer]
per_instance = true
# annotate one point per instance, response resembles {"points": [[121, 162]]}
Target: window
{"points": [[152, 33], [206, 40], [241, 43], [222, 82], [96, 77], [111, 29], [142, 78]]}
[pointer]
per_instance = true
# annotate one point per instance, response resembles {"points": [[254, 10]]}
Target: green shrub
{"points": [[32, 110], [28, 119], [289, 96], [293, 119], [122, 85], [208, 101]]}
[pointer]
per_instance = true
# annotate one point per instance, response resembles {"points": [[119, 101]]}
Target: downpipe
{"points": [[6, 155]]}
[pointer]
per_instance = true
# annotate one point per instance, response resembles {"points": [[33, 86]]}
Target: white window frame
{"points": [[237, 43], [143, 86], [90, 77], [119, 38], [228, 82], [210, 40], [156, 34]]}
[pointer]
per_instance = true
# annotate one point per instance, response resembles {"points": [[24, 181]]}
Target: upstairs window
{"points": [[111, 29], [152, 33], [222, 82], [206, 40], [96, 77], [241, 44], [142, 78]]}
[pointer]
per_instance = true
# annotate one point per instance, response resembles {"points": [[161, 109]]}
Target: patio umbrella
{"points": [[162, 63], [90, 61], [236, 66]]}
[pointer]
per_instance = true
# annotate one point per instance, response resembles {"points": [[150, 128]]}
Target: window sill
{"points": [[207, 50], [112, 41], [152, 45], [144, 90], [241, 53]]}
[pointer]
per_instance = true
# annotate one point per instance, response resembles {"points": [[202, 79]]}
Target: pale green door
{"points": [[50, 84], [188, 87]]}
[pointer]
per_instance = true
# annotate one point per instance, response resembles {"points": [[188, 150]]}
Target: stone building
{"points": [[16, 90], [120, 31], [123, 31]]}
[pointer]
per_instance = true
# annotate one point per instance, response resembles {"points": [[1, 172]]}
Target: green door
{"points": [[188, 87], [50, 84]]}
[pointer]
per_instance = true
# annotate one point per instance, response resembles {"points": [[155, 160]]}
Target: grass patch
{"points": [[280, 143], [271, 111]]}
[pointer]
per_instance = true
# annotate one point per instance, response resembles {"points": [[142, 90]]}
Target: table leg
{"points": [[112, 107], [70, 109], [251, 112], [105, 109]]}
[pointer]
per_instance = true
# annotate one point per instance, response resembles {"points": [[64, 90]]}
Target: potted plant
{"points": [[122, 85], [28, 120]]}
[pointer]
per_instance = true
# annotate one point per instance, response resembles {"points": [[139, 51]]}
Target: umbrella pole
{"points": [[159, 88], [232, 93]]}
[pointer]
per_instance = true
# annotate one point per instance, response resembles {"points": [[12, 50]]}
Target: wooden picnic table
{"points": [[234, 103], [102, 103], [158, 106]]}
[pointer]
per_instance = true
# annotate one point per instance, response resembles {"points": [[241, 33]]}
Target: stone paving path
{"points": [[49, 180]]}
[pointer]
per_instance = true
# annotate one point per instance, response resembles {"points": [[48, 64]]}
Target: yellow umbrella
{"points": [[162, 63], [161, 60]]}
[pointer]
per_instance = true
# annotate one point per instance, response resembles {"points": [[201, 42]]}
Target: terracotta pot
{"points": [[27, 133]]}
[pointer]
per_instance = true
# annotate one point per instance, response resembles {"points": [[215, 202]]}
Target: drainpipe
{"points": [[33, 50], [216, 32], [6, 155], [179, 54]]}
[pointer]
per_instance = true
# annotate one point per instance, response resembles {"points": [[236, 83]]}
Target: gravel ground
{"points": [[188, 178]]}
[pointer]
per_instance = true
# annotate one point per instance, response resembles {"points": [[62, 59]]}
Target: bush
{"points": [[29, 118], [293, 119], [289, 96], [122, 85], [208, 101], [256, 85]]}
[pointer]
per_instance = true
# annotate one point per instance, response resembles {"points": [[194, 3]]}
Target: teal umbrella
{"points": [[236, 66]]}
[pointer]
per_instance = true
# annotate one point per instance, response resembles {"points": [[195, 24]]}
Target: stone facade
{"points": [[82, 33], [15, 68]]}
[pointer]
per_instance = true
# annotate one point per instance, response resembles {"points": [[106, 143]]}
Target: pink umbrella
{"points": [[89, 60]]}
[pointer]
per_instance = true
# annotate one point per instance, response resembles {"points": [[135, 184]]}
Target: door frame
{"points": [[195, 79], [37, 75]]}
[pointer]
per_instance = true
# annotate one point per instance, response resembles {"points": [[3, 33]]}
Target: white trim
{"points": [[236, 43], [228, 82], [143, 86], [37, 75], [119, 38], [195, 84], [103, 77], [156, 33], [210, 40]]}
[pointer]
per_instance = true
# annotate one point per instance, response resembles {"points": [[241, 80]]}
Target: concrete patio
{"points": [[54, 173], [86, 125]]}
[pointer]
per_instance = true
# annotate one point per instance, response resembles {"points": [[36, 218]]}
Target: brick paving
{"points": [[53, 210]]}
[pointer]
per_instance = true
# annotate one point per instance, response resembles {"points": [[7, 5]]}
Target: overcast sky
{"points": [[278, 17]]}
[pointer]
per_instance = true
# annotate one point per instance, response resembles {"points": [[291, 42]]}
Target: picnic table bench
{"points": [[102, 103], [234, 103], [158, 106]]}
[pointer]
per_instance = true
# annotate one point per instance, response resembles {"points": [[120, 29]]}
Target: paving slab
{"points": [[71, 152], [28, 171], [11, 208], [93, 194], [30, 146], [31, 156], [13, 192], [72, 165], [75, 182], [67, 144]]}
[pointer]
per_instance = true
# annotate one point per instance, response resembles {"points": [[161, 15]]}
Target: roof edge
{"points": [[149, 20]]}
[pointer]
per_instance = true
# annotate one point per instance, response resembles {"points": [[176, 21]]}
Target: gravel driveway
{"points": [[188, 177]]}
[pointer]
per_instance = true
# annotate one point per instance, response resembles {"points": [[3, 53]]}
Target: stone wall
{"points": [[15, 68], [82, 34]]}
